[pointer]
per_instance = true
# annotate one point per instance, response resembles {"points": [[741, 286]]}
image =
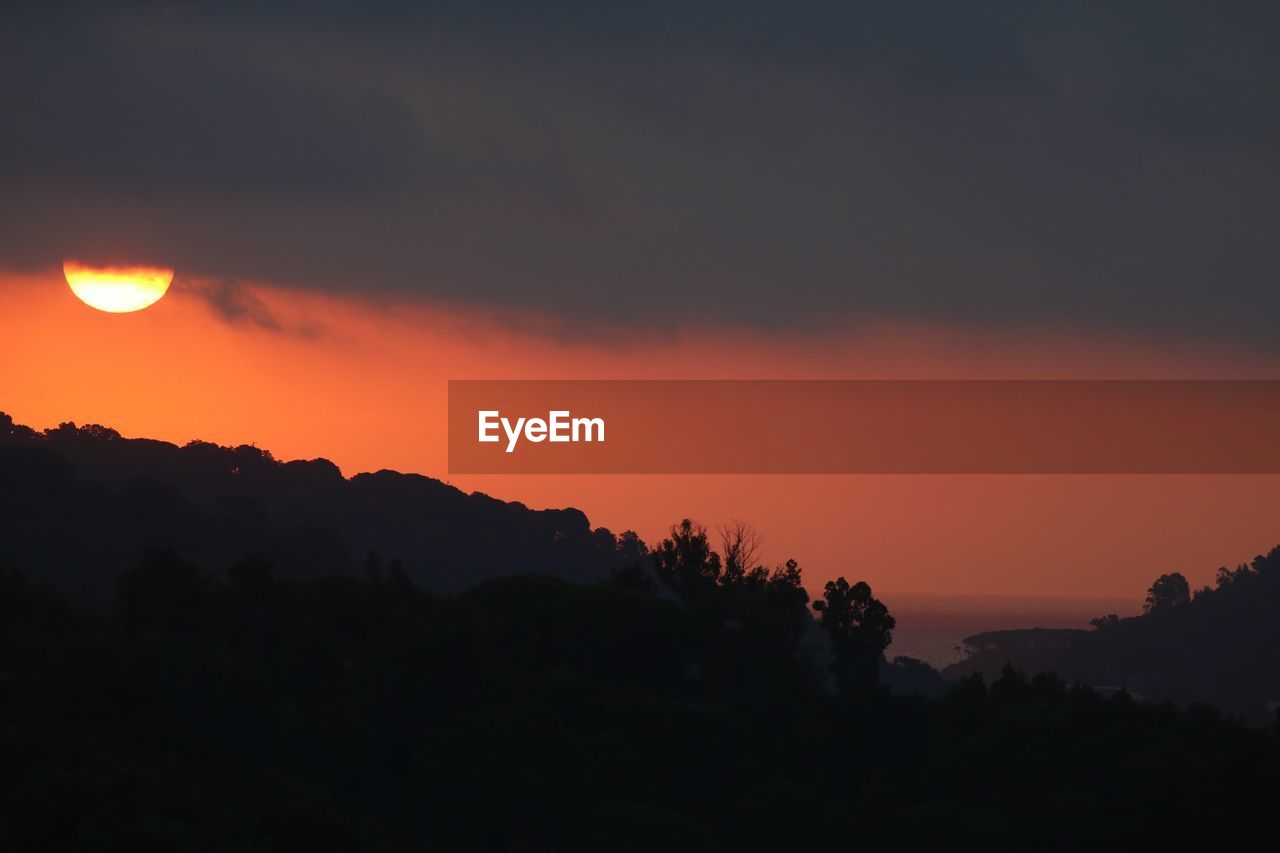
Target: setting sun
{"points": [[118, 290]]}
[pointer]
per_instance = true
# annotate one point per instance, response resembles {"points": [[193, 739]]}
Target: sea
{"points": [[932, 627]]}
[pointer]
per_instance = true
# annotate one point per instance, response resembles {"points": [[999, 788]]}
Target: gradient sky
{"points": [[364, 383], [365, 200]]}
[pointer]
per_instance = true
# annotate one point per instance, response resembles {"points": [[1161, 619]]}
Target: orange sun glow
{"points": [[118, 290]]}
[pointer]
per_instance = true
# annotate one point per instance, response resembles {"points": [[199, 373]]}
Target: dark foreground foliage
{"points": [[533, 714]]}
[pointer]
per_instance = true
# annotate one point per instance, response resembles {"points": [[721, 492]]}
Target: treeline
{"points": [[1218, 645], [80, 503], [680, 709]]}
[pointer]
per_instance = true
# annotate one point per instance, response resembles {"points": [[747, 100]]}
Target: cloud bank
{"points": [[1110, 169]]}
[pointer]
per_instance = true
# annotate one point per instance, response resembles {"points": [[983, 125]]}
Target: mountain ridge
{"points": [[84, 502]]}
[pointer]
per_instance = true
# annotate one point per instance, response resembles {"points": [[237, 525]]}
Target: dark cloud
{"points": [[1105, 166], [231, 301], [143, 107]]}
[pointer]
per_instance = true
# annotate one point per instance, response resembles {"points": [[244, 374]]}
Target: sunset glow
{"points": [[220, 379], [117, 290]]}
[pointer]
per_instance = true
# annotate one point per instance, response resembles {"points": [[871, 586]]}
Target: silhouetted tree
{"points": [[740, 546], [687, 564], [731, 585], [8, 429], [787, 600], [633, 567], [631, 548], [860, 629], [1225, 576], [1168, 591], [321, 716], [633, 576], [910, 675], [1267, 565]]}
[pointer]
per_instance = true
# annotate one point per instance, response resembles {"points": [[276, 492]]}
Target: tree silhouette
{"points": [[787, 601], [730, 587], [859, 627], [740, 544], [251, 710], [1168, 591], [687, 564]]}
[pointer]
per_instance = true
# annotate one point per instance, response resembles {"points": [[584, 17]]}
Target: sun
{"points": [[118, 290]]}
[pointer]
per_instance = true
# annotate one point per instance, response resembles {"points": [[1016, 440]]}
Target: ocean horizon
{"points": [[932, 627]]}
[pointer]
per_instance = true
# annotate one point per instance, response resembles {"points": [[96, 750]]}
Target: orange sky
{"points": [[364, 384]]}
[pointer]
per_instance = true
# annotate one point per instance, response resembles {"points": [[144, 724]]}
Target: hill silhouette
{"points": [[82, 503], [297, 697], [1220, 645]]}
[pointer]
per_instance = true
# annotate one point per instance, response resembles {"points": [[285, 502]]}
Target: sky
{"points": [[362, 201], [364, 384]]}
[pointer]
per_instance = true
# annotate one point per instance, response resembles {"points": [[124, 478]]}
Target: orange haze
{"points": [[363, 383]]}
